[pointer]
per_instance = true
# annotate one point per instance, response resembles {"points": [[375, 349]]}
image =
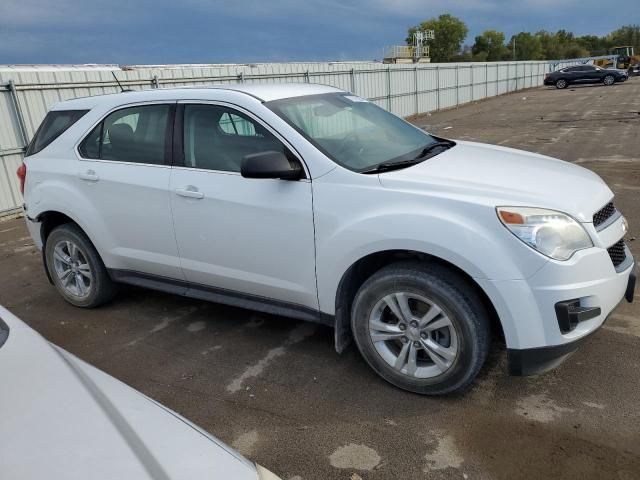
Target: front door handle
{"points": [[89, 176], [190, 192]]}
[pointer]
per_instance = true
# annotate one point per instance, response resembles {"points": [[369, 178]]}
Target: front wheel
{"points": [[609, 80], [562, 83], [421, 328]]}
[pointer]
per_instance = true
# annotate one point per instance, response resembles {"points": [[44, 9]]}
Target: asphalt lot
{"points": [[276, 390]]}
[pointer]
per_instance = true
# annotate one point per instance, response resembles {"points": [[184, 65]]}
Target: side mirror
{"points": [[270, 164]]}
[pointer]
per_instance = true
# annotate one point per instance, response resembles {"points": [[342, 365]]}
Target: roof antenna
{"points": [[122, 90]]}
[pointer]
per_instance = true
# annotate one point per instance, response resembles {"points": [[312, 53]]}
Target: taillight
{"points": [[22, 175]]}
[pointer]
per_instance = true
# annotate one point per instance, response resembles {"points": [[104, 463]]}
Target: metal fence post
{"points": [[389, 88], [16, 106], [486, 80], [241, 77], [437, 87], [415, 81], [154, 82], [457, 86], [353, 81], [530, 74], [472, 83], [306, 77]]}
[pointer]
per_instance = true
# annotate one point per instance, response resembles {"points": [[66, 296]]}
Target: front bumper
{"points": [[537, 339], [533, 361]]}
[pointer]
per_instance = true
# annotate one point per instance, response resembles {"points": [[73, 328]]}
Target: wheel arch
{"points": [[363, 268], [49, 220]]}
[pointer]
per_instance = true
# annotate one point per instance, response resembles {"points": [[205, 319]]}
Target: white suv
{"points": [[310, 202]]}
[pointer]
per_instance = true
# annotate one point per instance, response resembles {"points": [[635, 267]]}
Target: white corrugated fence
{"points": [[27, 92]]}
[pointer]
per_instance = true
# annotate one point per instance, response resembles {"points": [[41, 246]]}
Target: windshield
{"points": [[352, 131]]}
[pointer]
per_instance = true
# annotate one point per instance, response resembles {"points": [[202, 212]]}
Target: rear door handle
{"points": [[190, 192], [89, 176]]}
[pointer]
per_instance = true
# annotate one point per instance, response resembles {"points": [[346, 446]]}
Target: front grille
{"points": [[603, 214], [617, 253]]}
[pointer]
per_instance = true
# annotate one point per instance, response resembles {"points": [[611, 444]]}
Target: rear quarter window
{"points": [[54, 124]]}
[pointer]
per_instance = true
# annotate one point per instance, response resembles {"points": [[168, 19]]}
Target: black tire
{"points": [[102, 288], [609, 80], [458, 301], [561, 83]]}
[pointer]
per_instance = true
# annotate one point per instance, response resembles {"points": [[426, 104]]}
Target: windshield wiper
{"points": [[387, 166], [421, 157], [429, 148]]}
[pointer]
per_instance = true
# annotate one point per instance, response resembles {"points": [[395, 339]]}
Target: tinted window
{"points": [[217, 138], [572, 69], [137, 134], [53, 125]]}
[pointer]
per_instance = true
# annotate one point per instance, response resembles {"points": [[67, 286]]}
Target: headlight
{"points": [[551, 233]]}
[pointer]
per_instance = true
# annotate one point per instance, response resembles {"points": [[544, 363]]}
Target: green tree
{"points": [[480, 57], [626, 35], [528, 47], [449, 33], [550, 45], [489, 45], [575, 50], [464, 55], [593, 44]]}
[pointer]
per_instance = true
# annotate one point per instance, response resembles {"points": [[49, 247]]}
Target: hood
{"points": [[500, 176], [62, 418]]}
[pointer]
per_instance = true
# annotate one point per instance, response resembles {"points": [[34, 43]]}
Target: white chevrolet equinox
{"points": [[313, 203]]}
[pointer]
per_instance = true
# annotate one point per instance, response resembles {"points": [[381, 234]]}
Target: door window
{"points": [[136, 134], [217, 138]]}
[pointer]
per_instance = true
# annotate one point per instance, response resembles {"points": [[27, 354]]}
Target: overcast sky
{"points": [[241, 31]]}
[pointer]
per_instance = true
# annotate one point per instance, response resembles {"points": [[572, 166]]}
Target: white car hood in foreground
{"points": [[63, 419], [506, 177]]}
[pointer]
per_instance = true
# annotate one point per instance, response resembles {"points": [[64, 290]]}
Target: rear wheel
{"points": [[423, 330], [561, 83], [609, 80], [76, 268]]}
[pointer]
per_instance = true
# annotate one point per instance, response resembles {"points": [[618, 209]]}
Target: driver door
{"points": [[235, 235]]}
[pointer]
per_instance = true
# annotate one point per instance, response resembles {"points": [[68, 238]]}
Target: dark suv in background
{"points": [[584, 74]]}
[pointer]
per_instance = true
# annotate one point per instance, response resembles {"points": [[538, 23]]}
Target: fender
{"points": [[469, 246], [64, 199]]}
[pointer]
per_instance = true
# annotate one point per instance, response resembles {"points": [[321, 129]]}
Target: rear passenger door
{"points": [[124, 171], [573, 74], [239, 236]]}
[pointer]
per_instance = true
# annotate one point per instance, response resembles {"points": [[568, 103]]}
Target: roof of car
{"points": [[262, 92]]}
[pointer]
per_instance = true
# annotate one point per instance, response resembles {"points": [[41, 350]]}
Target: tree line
{"points": [[450, 33]]}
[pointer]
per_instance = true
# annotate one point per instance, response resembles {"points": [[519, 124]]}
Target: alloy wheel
{"points": [[413, 334], [72, 269]]}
